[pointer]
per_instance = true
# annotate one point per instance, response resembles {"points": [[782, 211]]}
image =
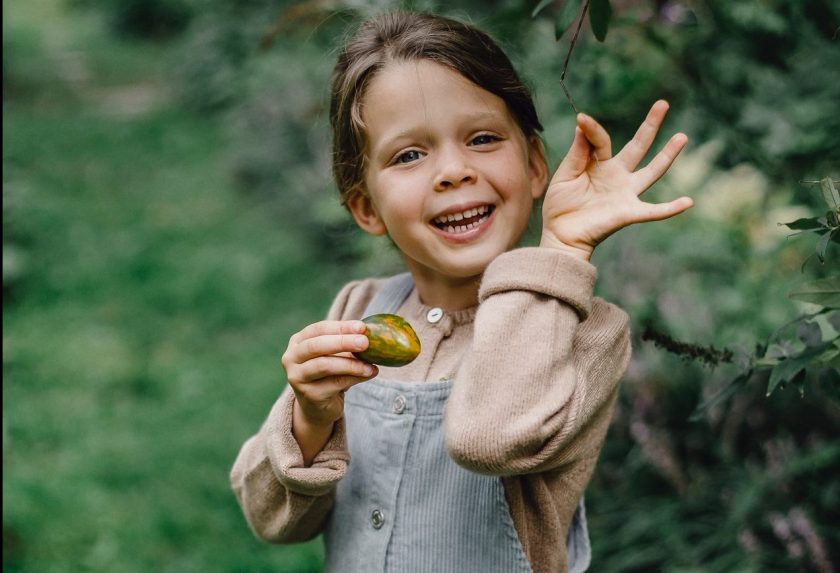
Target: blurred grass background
{"points": [[169, 222]]}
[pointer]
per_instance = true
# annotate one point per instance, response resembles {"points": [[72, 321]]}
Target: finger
{"points": [[325, 367], [342, 383], [329, 327], [596, 135], [633, 153], [657, 167], [659, 211], [577, 158], [327, 388], [328, 344]]}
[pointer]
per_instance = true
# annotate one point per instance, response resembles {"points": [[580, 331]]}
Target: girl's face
{"points": [[450, 176]]}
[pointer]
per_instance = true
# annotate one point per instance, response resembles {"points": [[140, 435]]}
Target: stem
{"points": [[569, 56], [566, 66]]}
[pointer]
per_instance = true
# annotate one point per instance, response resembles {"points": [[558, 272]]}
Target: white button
{"points": [[399, 404], [434, 315], [377, 519]]}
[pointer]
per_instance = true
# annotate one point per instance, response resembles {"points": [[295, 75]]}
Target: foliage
{"points": [[703, 470], [142, 299], [599, 15], [763, 78], [146, 19], [787, 354], [159, 251]]}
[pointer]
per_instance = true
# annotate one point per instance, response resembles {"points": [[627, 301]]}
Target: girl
{"points": [[475, 456]]}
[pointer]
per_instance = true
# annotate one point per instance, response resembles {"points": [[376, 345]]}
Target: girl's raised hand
{"points": [[593, 194], [320, 366]]}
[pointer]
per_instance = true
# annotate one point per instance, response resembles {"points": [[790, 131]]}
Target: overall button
{"points": [[377, 519], [399, 404], [434, 315]]}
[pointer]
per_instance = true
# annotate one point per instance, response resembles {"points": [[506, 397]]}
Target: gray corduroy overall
{"points": [[404, 506]]}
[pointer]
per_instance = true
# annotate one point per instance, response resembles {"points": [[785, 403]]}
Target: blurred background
{"points": [[169, 221]]}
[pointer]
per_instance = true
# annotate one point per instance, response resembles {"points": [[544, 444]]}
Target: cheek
{"points": [[397, 210]]}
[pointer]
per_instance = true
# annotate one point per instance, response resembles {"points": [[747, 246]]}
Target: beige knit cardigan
{"points": [[536, 367]]}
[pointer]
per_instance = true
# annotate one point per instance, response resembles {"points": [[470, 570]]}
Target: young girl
{"points": [[475, 456]]}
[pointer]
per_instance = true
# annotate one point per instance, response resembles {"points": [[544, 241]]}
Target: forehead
{"points": [[414, 95]]}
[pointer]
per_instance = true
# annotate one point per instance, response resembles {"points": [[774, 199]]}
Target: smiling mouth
{"points": [[464, 221]]}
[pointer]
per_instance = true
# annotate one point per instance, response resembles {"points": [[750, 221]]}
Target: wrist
{"points": [[310, 435], [582, 252], [301, 420]]}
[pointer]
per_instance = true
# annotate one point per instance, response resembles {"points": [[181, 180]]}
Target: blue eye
{"points": [[408, 156]]}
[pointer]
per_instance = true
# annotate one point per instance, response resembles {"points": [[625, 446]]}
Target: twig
{"points": [[709, 355], [566, 67], [569, 56]]}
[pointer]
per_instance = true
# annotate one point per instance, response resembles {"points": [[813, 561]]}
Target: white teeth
{"points": [[451, 218]]}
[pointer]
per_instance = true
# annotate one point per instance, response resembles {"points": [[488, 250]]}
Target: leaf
{"points": [[835, 237], [825, 292], [789, 370], [781, 350], [833, 218], [540, 7], [809, 333], [822, 245], [834, 320], [765, 363], [567, 15], [806, 224], [599, 18], [798, 382], [830, 193]]}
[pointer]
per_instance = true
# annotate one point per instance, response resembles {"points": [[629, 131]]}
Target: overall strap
{"points": [[391, 296]]}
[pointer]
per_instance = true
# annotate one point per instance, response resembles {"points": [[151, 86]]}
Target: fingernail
{"points": [[369, 370], [360, 342]]}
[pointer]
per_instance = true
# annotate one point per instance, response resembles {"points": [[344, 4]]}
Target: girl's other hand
{"points": [[593, 194], [320, 366]]}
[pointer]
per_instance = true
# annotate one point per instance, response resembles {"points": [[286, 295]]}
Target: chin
{"points": [[467, 269]]}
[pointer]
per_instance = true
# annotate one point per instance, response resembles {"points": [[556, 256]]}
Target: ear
{"points": [[364, 212], [537, 166]]}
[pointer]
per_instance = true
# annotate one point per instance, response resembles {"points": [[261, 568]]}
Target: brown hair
{"points": [[409, 36]]}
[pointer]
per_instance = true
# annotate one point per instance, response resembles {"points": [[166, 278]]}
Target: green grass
{"points": [[146, 305]]}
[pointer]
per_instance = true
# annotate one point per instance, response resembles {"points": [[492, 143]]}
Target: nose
{"points": [[454, 170]]}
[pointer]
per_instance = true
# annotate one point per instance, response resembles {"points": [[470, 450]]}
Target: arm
{"points": [[285, 475], [283, 500], [535, 390]]}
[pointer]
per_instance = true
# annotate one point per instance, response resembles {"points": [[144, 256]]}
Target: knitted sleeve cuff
{"points": [[327, 468], [545, 271]]}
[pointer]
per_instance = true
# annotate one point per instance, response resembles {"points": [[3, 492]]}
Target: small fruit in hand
{"points": [[392, 341]]}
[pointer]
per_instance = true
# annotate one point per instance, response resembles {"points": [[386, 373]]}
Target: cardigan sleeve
{"points": [[535, 389], [282, 500]]}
